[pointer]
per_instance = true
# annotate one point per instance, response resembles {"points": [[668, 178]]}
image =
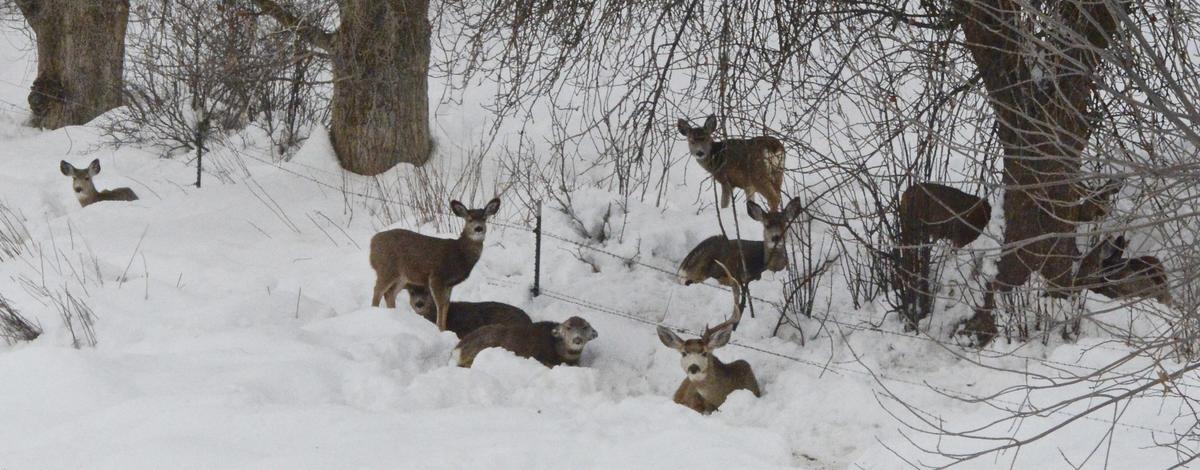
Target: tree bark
{"points": [[380, 106], [81, 59], [1043, 129]]}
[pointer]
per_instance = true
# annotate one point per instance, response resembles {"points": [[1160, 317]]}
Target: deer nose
{"points": [[420, 304], [578, 341], [478, 229], [693, 369], [776, 238], [699, 154], [79, 190]]}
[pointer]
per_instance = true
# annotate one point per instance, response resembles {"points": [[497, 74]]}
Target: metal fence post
{"points": [[537, 253]]}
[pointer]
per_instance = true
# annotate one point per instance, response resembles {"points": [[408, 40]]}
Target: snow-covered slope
{"points": [[234, 331]]}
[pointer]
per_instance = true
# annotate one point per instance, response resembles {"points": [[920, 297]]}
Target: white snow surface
{"points": [[234, 331]]}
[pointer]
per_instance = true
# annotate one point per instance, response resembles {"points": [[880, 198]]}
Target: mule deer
{"points": [[709, 381], [755, 165], [734, 263], [465, 317], [1093, 204], [551, 343], [1105, 271], [402, 258], [930, 212], [85, 188]]}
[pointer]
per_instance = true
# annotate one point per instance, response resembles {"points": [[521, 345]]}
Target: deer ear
{"points": [[719, 337], [94, 168], [592, 334], [754, 210], [65, 168], [492, 207], [710, 123], [458, 209], [669, 338], [793, 209], [557, 331], [683, 127]]}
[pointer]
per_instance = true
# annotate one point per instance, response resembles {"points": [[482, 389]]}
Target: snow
{"points": [[234, 331]]}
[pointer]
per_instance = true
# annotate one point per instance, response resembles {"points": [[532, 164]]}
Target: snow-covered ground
{"points": [[234, 331]]}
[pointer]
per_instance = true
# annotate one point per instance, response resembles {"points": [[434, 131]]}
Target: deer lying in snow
{"points": [[1106, 271], [85, 188], [709, 381], [402, 258], [549, 342], [734, 263], [465, 317], [755, 165]]}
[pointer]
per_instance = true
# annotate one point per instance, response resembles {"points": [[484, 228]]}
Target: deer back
{"points": [[930, 212], [417, 257], [117, 194], [701, 263], [745, 163]]}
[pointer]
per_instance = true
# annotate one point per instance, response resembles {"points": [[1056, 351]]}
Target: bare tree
{"points": [[81, 57], [380, 61]]}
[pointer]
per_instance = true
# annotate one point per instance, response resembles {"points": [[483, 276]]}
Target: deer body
{"points": [[465, 317], [402, 258], [85, 188], [930, 212], [1106, 271], [550, 343], [755, 165]]}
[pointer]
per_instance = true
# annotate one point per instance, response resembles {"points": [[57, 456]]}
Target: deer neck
{"points": [[86, 196], [568, 356], [471, 249], [716, 157], [710, 386]]}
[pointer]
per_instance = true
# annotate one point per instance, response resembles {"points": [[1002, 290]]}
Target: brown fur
{"points": [[755, 165], [930, 212], [401, 258], [544, 341], [465, 317], [85, 188], [1094, 204], [1105, 271], [720, 379]]}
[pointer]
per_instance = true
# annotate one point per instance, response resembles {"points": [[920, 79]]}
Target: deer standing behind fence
{"points": [[755, 165]]}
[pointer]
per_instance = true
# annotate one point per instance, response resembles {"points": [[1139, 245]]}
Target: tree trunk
{"points": [[1043, 129], [380, 56], [81, 58]]}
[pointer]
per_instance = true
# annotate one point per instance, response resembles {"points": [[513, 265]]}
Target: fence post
{"points": [[537, 253]]}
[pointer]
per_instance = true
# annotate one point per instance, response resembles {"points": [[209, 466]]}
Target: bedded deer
{"points": [[1105, 271], [465, 317], [755, 165], [550, 343], [709, 381], [734, 263], [402, 258], [85, 188]]}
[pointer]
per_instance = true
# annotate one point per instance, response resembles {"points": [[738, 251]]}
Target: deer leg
{"points": [[441, 299], [726, 193], [382, 285], [390, 295]]}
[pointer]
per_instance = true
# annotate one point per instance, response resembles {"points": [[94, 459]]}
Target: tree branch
{"points": [[312, 33]]}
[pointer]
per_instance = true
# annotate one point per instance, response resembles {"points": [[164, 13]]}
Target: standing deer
{"points": [[930, 212], [755, 165], [1105, 271], [734, 263], [709, 381], [85, 188], [402, 258]]}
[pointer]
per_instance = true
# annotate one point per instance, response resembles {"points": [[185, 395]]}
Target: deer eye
{"points": [[683, 353]]}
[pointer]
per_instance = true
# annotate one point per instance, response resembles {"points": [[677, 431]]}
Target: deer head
{"points": [[775, 228], [700, 141]]}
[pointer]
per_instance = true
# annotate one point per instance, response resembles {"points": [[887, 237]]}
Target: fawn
{"points": [[465, 317], [551, 343], [402, 258], [85, 188], [755, 165]]}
